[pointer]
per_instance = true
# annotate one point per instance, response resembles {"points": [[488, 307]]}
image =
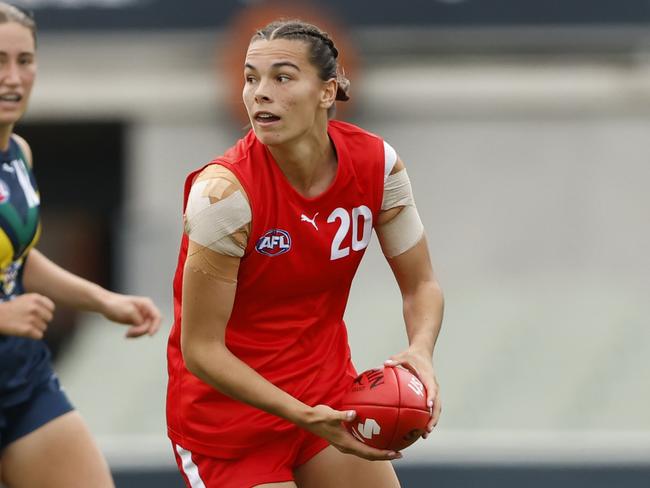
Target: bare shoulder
{"points": [[24, 147]]}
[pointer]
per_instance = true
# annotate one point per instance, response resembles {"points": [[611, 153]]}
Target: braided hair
{"points": [[323, 53]]}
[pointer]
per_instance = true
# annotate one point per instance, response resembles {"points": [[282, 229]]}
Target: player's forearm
{"points": [[214, 364], [47, 278], [422, 298], [423, 311]]}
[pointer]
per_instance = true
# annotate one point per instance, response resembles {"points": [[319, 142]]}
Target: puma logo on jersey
{"points": [[312, 221], [274, 242], [8, 167], [367, 430]]}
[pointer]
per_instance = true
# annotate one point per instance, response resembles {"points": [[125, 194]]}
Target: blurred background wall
{"points": [[524, 126]]}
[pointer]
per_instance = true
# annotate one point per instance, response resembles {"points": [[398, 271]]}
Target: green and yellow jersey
{"points": [[19, 217]]}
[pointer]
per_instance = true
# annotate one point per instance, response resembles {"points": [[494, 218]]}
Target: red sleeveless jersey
{"points": [[293, 286]]}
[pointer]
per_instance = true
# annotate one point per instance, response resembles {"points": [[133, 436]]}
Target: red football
{"points": [[391, 406]]}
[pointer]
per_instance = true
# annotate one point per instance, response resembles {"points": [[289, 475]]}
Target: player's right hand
{"points": [[26, 315], [327, 423]]}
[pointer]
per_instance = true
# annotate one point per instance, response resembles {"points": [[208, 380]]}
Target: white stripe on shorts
{"points": [[190, 469]]}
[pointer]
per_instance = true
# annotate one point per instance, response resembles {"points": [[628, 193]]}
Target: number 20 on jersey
{"points": [[360, 233]]}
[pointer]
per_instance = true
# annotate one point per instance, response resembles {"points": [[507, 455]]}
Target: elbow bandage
{"points": [[217, 215], [405, 229]]}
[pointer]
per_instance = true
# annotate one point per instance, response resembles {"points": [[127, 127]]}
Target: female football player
{"points": [[43, 441], [258, 357]]}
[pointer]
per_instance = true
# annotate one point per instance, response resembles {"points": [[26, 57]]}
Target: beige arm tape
{"points": [[213, 265], [405, 230], [217, 215], [397, 191]]}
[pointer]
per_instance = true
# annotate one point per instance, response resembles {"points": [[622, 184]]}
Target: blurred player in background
{"points": [[43, 441], [275, 229]]}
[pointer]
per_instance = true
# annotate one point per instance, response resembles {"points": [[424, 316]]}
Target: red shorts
{"points": [[271, 463]]}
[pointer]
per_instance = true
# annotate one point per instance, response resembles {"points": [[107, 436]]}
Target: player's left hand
{"points": [[420, 364], [139, 313]]}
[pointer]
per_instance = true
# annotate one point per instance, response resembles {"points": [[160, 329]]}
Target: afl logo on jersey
{"points": [[4, 192], [274, 242]]}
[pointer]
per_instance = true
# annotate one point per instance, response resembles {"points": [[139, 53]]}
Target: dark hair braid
{"points": [[323, 52], [323, 36]]}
